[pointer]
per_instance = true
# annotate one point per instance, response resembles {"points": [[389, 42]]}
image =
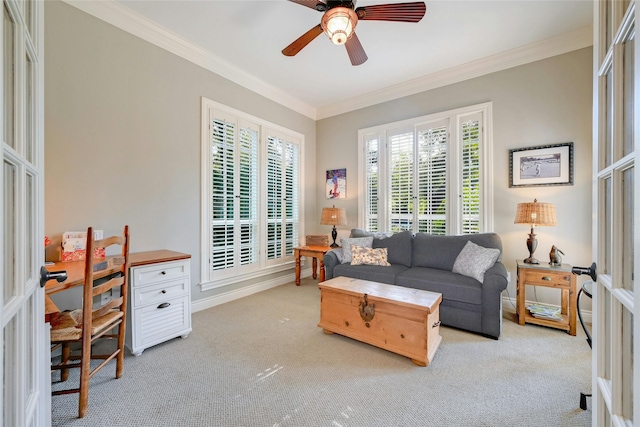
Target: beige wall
{"points": [[122, 135], [545, 102]]}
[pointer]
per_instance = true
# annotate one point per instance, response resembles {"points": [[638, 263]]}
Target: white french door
{"points": [[616, 237], [25, 394]]}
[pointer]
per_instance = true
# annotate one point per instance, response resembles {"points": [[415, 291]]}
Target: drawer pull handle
{"points": [[163, 291], [164, 305], [547, 278], [436, 324], [163, 273]]}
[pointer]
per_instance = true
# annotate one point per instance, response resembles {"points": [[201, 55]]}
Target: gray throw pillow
{"points": [[358, 241], [473, 261], [359, 232], [338, 254]]}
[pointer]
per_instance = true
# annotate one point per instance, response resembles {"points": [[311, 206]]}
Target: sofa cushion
{"points": [[474, 261], [368, 256], [359, 232], [346, 243], [399, 247], [441, 251], [374, 273], [452, 286]]}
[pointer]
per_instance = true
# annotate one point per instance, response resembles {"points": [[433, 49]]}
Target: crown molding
{"points": [[533, 52], [134, 23]]}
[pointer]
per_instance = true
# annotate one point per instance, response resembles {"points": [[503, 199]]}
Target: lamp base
{"points": [[532, 244], [334, 235]]}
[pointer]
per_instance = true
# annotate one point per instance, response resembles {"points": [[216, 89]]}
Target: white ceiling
{"points": [[247, 37]]}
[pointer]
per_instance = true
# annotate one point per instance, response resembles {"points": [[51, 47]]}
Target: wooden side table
{"points": [[558, 277], [314, 252]]}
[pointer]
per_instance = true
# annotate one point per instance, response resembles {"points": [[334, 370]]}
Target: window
{"points": [[245, 232], [429, 174]]}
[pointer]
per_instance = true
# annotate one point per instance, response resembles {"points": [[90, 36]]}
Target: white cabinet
{"points": [[159, 303]]}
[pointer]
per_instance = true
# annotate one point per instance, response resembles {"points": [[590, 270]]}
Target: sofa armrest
{"points": [[330, 260], [495, 281], [495, 278]]}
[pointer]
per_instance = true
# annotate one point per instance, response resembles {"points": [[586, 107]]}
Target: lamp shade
{"points": [[536, 213], [333, 216]]}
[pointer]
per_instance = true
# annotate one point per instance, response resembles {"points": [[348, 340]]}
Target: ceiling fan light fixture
{"points": [[338, 23]]}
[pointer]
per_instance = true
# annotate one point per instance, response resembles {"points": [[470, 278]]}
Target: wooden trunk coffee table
{"points": [[403, 320]]}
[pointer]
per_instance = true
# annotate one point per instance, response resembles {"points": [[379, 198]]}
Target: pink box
{"points": [[74, 245]]}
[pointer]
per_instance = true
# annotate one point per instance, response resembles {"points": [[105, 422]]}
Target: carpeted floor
{"points": [[262, 361]]}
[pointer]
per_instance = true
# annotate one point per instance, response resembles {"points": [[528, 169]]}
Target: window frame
{"points": [[212, 279], [455, 118]]}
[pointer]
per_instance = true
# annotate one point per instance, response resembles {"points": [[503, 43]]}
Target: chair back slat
{"points": [[110, 241], [101, 311], [107, 286]]}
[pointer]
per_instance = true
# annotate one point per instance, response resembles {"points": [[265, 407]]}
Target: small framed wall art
{"points": [[336, 183], [542, 165]]}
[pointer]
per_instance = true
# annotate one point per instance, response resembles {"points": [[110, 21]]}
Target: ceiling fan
{"points": [[340, 18]]}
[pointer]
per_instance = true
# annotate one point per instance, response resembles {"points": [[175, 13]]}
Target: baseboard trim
{"points": [[510, 304], [205, 303]]}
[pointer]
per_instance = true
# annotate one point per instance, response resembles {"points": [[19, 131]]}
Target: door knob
{"points": [[46, 275]]}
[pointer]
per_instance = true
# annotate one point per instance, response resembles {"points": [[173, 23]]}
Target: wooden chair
{"points": [[95, 321]]}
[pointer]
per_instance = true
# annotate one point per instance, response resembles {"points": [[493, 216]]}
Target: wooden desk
{"points": [[314, 252], [558, 277], [75, 273]]}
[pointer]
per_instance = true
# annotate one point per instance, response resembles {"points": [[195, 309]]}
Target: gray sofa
{"points": [[426, 261]]}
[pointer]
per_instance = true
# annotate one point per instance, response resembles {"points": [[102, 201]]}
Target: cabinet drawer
{"points": [[156, 273], [547, 278], [156, 294], [155, 324]]}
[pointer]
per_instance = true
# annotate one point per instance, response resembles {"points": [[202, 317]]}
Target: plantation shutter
{"points": [[401, 167], [234, 195], [471, 209], [274, 197], [283, 205], [248, 194], [433, 140], [372, 158], [223, 133], [292, 161]]}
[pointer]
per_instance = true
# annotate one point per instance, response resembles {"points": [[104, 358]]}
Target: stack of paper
{"points": [[542, 311]]}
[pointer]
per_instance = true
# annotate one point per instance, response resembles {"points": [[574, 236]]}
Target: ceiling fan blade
{"points": [[313, 4], [355, 50], [302, 41], [399, 12]]}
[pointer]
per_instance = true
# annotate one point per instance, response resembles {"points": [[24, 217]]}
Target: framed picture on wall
{"points": [[542, 165], [336, 183]]}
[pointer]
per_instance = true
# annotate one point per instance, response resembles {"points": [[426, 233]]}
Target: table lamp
{"points": [[333, 216], [535, 214]]}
